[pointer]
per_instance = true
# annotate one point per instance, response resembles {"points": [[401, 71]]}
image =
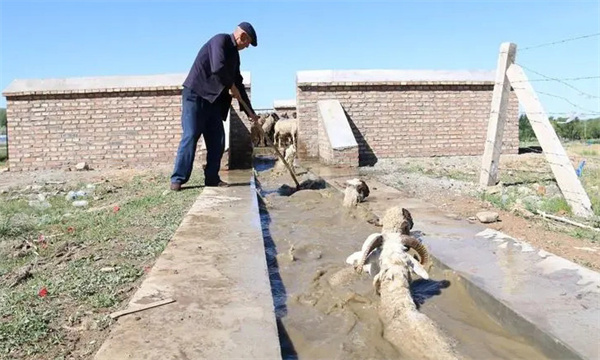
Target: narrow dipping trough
{"points": [[325, 310]]}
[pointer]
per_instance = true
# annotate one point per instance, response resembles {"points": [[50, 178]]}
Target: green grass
{"points": [[528, 143], [555, 205], [591, 182], [127, 241], [589, 153]]}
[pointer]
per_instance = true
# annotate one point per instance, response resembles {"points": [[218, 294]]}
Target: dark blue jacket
{"points": [[216, 68]]}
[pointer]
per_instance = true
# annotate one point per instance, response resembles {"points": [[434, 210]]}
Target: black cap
{"points": [[248, 29]]}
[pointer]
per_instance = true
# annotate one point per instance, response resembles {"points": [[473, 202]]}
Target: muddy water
{"points": [[325, 310]]}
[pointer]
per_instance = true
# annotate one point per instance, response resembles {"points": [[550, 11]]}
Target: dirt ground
{"points": [[451, 184]]}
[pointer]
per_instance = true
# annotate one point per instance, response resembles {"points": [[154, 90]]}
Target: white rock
{"points": [[80, 203], [487, 216], [82, 166]]}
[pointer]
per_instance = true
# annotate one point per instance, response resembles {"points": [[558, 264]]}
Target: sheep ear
{"points": [[407, 215], [417, 268]]}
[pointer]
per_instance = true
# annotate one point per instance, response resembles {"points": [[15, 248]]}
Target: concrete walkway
{"points": [[215, 269], [552, 302]]}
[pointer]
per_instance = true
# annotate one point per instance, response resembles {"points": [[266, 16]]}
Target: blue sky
{"points": [[45, 39]]}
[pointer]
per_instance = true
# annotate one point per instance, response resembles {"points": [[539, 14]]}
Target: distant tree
{"points": [[2, 117], [525, 130], [2, 121]]}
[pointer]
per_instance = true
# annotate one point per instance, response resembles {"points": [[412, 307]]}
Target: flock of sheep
{"points": [[280, 130], [384, 256]]}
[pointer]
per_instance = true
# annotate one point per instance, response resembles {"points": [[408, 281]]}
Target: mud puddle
{"points": [[325, 310]]}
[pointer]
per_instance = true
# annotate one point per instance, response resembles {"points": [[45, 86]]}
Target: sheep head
{"points": [[377, 240], [397, 220], [361, 187]]}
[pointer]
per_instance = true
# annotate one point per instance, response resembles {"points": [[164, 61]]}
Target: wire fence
{"points": [[559, 160]]}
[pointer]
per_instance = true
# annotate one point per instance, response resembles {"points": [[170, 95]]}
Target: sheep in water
{"points": [[289, 156], [411, 331], [356, 191], [395, 220]]}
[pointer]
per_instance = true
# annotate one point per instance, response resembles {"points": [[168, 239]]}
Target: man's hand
{"points": [[254, 117]]}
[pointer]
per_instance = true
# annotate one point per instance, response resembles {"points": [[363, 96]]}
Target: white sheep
{"points": [[412, 332], [268, 127], [285, 128], [356, 191], [395, 220], [289, 156]]}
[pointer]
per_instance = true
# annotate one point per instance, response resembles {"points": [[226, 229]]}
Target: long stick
{"points": [[120, 313], [557, 218], [272, 145]]}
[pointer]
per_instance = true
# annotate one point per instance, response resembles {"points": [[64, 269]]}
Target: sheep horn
{"points": [[411, 242], [376, 240]]}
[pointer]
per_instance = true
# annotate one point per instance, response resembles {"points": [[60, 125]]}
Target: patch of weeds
{"points": [[589, 153], [501, 201], [78, 245], [414, 168], [459, 175], [494, 199], [85, 282], [592, 236], [25, 320], [591, 182], [555, 205]]}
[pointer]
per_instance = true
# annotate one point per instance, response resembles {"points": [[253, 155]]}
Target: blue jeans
{"points": [[199, 117]]}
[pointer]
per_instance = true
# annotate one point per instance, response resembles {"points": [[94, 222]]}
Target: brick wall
{"points": [[406, 118], [240, 146], [113, 122]]}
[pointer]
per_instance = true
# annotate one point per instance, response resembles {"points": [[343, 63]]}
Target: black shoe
{"points": [[217, 184], [175, 186]]}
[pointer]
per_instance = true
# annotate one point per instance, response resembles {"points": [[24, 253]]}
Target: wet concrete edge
{"points": [[215, 268]]}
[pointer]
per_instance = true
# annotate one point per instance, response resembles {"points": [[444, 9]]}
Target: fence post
{"points": [[561, 166], [493, 143]]}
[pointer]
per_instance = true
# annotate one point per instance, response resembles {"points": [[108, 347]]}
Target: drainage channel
{"points": [[325, 310]]}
